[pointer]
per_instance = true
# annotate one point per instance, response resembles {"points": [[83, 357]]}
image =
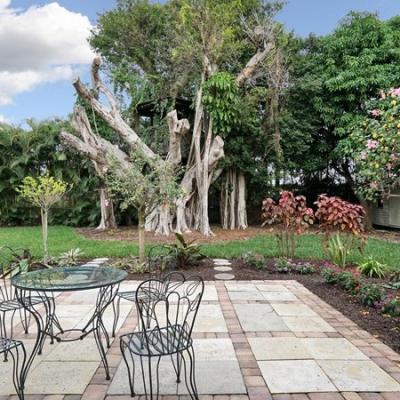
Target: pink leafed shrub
{"points": [[335, 214], [292, 215]]}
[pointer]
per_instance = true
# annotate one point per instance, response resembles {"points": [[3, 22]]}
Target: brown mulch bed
{"points": [[383, 327], [130, 233]]}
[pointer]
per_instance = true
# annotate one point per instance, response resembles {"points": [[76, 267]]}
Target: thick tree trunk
{"points": [[107, 211], [233, 201], [368, 207]]}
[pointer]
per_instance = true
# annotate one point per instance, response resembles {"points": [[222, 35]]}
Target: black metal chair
{"points": [[159, 262], [12, 262], [167, 311], [16, 349]]}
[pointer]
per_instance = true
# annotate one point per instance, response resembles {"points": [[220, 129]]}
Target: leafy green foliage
{"points": [[330, 275], [283, 265], [370, 294], [43, 192], [305, 269], [337, 250], [373, 268], [184, 253], [70, 258], [348, 281], [221, 99], [254, 260], [391, 305], [30, 152]]}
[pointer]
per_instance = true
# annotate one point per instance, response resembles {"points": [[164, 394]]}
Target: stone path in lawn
{"points": [[257, 340]]}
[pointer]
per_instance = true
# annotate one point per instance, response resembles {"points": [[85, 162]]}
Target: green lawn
{"points": [[65, 238]]}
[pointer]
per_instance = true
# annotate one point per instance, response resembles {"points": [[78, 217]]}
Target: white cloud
{"points": [[38, 45], [3, 119]]}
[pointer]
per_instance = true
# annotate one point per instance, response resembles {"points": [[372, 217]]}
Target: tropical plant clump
{"points": [[43, 192], [183, 253], [343, 224], [373, 268], [292, 215]]}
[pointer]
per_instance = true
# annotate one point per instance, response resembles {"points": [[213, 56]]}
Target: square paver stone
{"points": [[250, 295], [296, 309], [210, 293], [217, 372], [278, 348], [210, 319], [60, 377], [82, 350], [359, 376], [259, 318], [279, 296], [240, 287], [272, 288], [295, 376], [307, 324], [6, 386], [332, 349]]}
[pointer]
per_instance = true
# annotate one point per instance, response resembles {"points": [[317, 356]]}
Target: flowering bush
{"points": [[292, 215], [374, 146], [342, 222]]}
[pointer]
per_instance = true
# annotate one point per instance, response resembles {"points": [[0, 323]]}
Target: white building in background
{"points": [[386, 213]]}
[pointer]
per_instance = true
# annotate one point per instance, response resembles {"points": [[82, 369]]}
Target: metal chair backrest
{"points": [[168, 309], [12, 263], [159, 261]]}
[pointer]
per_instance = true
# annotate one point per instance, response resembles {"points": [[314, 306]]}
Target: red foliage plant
{"points": [[292, 213], [334, 213]]}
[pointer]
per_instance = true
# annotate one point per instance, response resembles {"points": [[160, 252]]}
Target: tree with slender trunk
{"points": [[43, 192]]}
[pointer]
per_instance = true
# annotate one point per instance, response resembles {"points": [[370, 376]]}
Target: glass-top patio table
{"points": [[44, 283]]}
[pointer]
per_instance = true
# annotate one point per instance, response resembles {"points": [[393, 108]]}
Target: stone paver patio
{"points": [[253, 340]]}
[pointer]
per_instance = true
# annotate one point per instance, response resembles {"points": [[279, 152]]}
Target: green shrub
{"points": [[284, 266], [330, 275], [370, 294], [254, 261], [305, 269], [348, 281], [391, 306], [184, 253], [373, 268]]}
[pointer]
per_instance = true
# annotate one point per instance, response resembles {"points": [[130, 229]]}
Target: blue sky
{"points": [[50, 93]]}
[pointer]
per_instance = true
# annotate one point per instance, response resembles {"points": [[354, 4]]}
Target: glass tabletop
{"points": [[69, 278]]}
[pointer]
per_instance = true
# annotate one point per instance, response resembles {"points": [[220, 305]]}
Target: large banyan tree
{"points": [[210, 51]]}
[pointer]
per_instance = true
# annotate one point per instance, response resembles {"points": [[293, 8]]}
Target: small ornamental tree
{"points": [[145, 183], [43, 192], [343, 223], [374, 147], [292, 215]]}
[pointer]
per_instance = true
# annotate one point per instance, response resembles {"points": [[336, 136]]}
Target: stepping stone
{"points": [[224, 276], [221, 261], [223, 269]]}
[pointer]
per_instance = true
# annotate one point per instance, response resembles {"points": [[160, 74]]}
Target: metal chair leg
{"points": [[18, 368], [116, 312], [131, 373]]}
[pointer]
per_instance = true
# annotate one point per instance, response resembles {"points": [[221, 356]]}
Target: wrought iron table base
{"points": [[46, 322]]}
